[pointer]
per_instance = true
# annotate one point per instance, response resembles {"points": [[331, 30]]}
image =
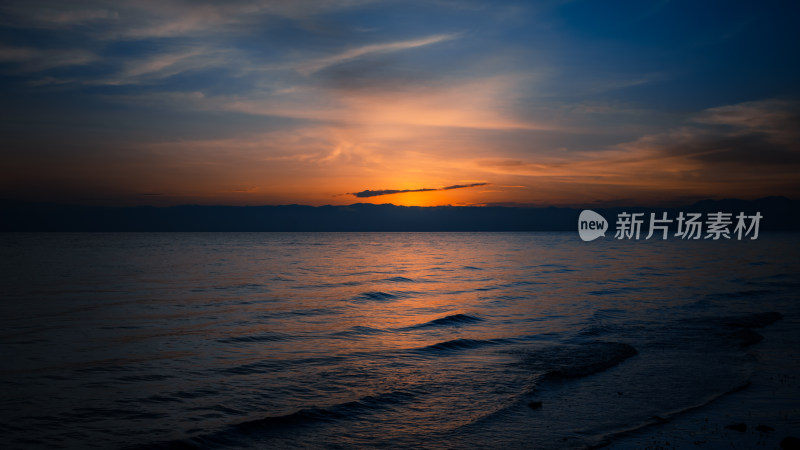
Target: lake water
{"points": [[340, 340]]}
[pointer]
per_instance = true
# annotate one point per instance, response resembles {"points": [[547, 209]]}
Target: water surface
{"points": [[116, 340]]}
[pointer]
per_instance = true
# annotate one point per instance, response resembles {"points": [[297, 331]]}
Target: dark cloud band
{"points": [[369, 193]]}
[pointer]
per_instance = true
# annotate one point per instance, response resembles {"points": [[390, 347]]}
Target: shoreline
{"points": [[760, 415]]}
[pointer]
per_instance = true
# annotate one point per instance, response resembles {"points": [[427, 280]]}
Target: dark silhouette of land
{"points": [[779, 213]]}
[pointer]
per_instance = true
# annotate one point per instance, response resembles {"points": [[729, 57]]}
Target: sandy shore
{"points": [[760, 416]]}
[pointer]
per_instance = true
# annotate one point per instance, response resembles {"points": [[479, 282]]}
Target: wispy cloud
{"points": [[146, 19], [316, 65], [479, 102], [44, 14], [161, 66], [369, 193], [29, 59], [71, 17], [746, 147]]}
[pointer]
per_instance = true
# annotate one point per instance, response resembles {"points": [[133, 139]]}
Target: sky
{"points": [[407, 102]]}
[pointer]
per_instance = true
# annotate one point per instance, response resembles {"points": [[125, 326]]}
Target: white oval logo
{"points": [[591, 225]]}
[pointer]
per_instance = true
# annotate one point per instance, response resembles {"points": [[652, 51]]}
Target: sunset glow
{"points": [[249, 103]]}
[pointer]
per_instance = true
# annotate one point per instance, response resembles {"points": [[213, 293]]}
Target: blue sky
{"points": [[271, 102]]}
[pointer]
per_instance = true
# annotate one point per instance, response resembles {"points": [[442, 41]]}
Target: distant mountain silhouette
{"points": [[779, 213]]}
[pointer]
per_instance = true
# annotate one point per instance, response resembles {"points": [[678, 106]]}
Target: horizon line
{"points": [[608, 204]]}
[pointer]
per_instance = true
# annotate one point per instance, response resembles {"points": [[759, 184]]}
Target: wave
{"points": [[605, 440], [454, 319], [328, 285], [573, 361], [744, 337], [601, 292], [598, 330], [778, 280], [604, 321], [264, 337], [235, 435], [358, 330], [743, 294], [400, 280], [274, 365], [758, 320], [259, 367], [738, 329], [594, 358], [301, 312], [345, 410], [462, 344], [377, 296]]}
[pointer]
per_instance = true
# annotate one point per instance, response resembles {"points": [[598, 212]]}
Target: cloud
{"points": [[747, 135], [321, 63], [478, 103], [461, 186], [160, 64], [56, 18], [200, 18], [155, 67], [145, 19], [51, 14], [745, 149], [775, 121], [370, 193], [202, 38], [29, 59]]}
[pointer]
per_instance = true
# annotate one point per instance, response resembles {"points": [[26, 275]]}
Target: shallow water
{"points": [[361, 339]]}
